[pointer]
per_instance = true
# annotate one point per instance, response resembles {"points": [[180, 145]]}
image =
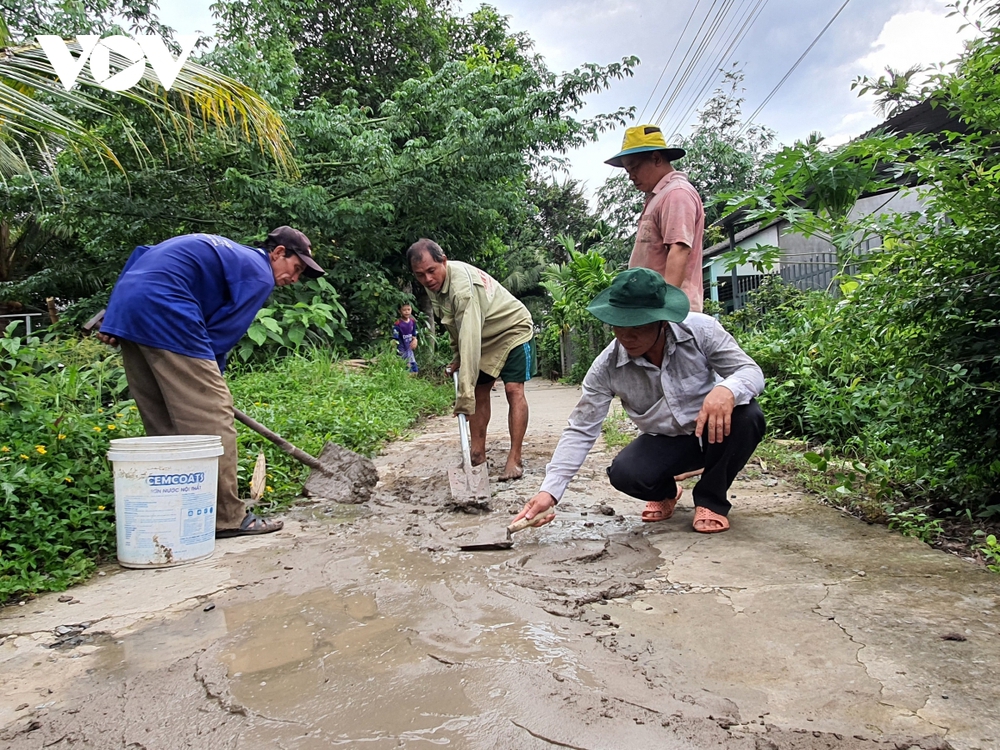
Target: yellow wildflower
{"points": [[5, 449], [24, 457], [60, 436], [96, 428], [100, 411], [269, 489], [68, 480], [133, 408], [100, 507], [41, 449], [112, 427], [119, 415]]}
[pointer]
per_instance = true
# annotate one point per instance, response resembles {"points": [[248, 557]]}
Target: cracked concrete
{"points": [[800, 628]]}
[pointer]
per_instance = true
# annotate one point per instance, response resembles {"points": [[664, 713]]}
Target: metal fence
{"points": [[5, 320], [815, 272]]}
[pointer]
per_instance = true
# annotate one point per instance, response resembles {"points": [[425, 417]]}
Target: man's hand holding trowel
{"points": [[540, 509]]}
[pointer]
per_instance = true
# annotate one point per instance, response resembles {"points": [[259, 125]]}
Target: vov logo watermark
{"points": [[136, 50]]}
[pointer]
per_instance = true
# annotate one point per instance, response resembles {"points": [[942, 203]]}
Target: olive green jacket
{"points": [[485, 322]]}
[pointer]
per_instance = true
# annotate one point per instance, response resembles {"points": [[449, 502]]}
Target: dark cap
{"points": [[298, 243]]}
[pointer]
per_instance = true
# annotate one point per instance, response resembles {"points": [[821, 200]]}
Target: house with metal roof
{"points": [[811, 262]]}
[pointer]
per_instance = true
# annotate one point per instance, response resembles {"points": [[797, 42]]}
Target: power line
{"points": [[735, 40], [693, 64], [792, 69], [694, 40], [667, 63]]}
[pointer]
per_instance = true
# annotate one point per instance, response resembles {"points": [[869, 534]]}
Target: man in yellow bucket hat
{"points": [[672, 224]]}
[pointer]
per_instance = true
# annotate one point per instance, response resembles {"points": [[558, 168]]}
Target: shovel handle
{"points": [[297, 453], [463, 431]]}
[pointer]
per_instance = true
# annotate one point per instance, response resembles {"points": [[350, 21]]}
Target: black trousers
{"points": [[646, 467]]}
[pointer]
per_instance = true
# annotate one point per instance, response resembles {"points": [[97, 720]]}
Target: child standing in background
{"points": [[404, 332]]}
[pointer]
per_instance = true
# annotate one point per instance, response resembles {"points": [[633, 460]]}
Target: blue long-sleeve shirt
{"points": [[195, 295]]}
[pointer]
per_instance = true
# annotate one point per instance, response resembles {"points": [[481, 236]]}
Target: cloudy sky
{"points": [[867, 36]]}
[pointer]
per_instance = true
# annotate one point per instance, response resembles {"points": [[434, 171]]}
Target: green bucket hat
{"points": [[639, 296]]}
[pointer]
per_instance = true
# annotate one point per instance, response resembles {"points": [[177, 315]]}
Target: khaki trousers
{"points": [[178, 395]]}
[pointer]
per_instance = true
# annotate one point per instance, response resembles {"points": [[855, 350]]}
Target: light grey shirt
{"points": [[699, 355]]}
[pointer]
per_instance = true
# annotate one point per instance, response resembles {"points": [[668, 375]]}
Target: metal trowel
{"points": [[481, 545]]}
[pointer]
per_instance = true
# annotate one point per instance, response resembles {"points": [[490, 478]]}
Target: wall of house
{"points": [[806, 262], [887, 203], [720, 283]]}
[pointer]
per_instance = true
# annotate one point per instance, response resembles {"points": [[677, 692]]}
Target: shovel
{"points": [[469, 483], [338, 474], [482, 545]]}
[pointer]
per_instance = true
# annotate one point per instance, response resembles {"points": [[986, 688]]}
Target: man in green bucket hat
{"points": [[688, 387], [672, 224]]}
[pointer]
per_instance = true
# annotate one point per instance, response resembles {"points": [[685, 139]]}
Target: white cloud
{"points": [[917, 37], [188, 16]]}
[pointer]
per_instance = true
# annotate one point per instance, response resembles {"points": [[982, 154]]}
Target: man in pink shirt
{"points": [[672, 224]]}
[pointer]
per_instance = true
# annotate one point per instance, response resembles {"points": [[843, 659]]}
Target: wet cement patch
{"points": [[366, 626], [347, 477]]}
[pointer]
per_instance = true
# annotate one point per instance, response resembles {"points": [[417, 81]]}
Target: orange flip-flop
{"points": [[660, 510], [703, 517]]}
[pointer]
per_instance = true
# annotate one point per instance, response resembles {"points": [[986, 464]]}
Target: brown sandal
{"points": [[703, 517], [252, 524], [660, 510]]}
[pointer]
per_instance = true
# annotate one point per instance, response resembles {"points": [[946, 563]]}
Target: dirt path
{"points": [[363, 626]]}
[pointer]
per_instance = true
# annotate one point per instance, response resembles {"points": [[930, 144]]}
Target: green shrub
{"points": [[870, 378], [60, 405]]}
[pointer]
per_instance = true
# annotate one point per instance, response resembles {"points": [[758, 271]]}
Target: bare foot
{"points": [[477, 458], [512, 472]]}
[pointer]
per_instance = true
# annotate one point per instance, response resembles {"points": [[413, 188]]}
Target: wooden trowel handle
{"points": [[297, 453], [524, 523]]}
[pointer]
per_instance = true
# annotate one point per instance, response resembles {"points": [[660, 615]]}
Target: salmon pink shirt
{"points": [[673, 213]]}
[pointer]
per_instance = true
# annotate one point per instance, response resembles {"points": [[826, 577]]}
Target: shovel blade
{"points": [[470, 484]]}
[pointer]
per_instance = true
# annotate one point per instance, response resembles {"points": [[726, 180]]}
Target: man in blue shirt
{"points": [[176, 310]]}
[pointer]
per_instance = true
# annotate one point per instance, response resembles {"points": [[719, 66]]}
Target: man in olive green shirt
{"points": [[491, 336]]}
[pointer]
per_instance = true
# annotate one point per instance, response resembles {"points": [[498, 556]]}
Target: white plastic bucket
{"points": [[165, 495]]}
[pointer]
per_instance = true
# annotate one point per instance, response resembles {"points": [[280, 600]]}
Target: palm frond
{"points": [[31, 97]]}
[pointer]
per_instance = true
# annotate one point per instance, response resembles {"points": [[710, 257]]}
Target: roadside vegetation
{"points": [[896, 371]]}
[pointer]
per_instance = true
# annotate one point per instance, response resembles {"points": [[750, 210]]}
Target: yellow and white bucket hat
{"points": [[645, 138]]}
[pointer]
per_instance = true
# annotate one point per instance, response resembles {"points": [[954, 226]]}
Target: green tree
{"points": [[572, 286], [895, 92], [447, 155], [368, 46], [39, 117]]}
